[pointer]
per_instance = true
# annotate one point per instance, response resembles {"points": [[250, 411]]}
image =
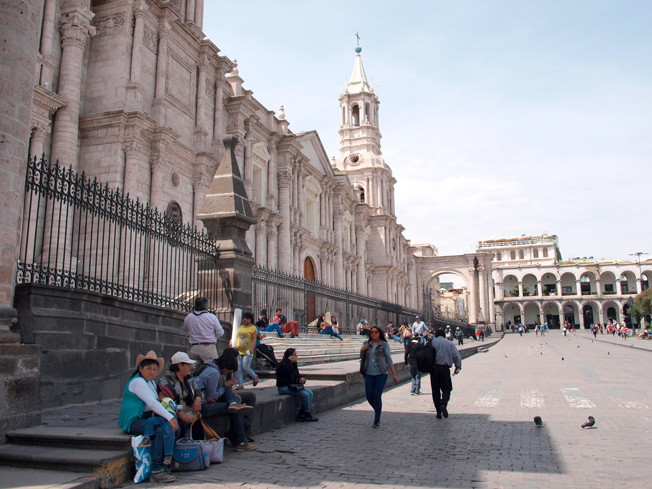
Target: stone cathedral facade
{"points": [[131, 93]]}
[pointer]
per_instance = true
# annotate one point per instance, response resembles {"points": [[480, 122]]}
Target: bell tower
{"points": [[360, 153]]}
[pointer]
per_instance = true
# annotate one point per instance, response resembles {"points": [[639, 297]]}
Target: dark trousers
{"points": [[374, 385], [441, 384]]}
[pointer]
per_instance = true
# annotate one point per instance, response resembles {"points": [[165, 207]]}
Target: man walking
{"points": [[203, 331], [446, 355], [419, 327]]}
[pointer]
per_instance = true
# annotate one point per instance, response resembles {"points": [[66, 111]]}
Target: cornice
{"points": [[48, 99]]}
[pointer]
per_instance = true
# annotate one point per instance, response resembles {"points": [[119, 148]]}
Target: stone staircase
{"points": [[317, 348], [101, 456]]}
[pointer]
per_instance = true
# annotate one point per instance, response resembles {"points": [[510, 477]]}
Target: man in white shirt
{"points": [[203, 331], [419, 327]]}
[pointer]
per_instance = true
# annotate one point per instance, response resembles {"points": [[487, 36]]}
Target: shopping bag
{"points": [[143, 459], [213, 445], [189, 455]]}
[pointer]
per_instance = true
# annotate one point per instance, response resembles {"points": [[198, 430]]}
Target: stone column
{"points": [[284, 243], [134, 90], [520, 289], [199, 13], [492, 301], [473, 296], [539, 288], [578, 287], [161, 71], [75, 29], [301, 220], [19, 374], [272, 199], [156, 187], [47, 40], [483, 309], [19, 22], [200, 188], [217, 147], [131, 169], [272, 236], [190, 10], [598, 286], [339, 266], [200, 124], [559, 293], [37, 142], [361, 252], [261, 243]]}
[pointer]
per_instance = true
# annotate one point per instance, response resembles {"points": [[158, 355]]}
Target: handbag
{"points": [[189, 455], [143, 459], [296, 387], [214, 446]]}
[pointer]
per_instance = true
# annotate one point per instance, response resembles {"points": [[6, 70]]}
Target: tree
{"points": [[643, 305]]}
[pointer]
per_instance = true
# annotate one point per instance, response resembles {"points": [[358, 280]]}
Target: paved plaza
{"points": [[489, 440]]}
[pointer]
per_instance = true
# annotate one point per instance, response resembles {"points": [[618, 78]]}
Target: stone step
{"points": [[60, 437], [105, 468]]}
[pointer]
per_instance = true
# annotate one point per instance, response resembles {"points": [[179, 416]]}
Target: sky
{"points": [[498, 118]]}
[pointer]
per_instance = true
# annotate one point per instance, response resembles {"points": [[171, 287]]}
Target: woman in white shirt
{"points": [[141, 413]]}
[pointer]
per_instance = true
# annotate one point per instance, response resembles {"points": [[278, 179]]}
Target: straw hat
{"points": [[150, 355]]}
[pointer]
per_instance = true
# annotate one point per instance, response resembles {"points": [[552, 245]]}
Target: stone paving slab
{"points": [[489, 440]]}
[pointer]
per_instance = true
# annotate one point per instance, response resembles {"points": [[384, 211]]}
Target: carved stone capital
{"points": [[156, 163], [284, 178], [75, 30]]}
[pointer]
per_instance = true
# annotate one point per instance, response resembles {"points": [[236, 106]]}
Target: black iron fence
{"points": [[304, 300], [81, 234]]}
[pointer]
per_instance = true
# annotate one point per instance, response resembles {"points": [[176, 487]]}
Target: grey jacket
{"points": [[380, 357]]}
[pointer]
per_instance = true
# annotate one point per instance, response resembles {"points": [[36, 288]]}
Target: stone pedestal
{"points": [[227, 216]]}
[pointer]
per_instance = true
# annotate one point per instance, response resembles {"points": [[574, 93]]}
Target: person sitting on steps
{"points": [[289, 382]]}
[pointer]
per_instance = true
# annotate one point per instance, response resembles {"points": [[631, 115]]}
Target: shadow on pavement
{"points": [[409, 449]]}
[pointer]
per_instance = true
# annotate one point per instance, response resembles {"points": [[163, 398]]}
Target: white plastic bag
{"points": [[143, 459]]}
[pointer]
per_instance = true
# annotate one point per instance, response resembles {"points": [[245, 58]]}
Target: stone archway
{"points": [[475, 269]]}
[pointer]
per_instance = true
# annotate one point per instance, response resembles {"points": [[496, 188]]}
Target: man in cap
{"points": [[362, 327], [203, 331], [419, 327]]}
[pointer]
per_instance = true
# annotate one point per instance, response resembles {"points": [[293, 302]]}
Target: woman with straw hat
{"points": [[141, 413]]}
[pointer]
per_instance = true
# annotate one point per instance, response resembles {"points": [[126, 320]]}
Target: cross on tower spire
{"points": [[358, 38]]}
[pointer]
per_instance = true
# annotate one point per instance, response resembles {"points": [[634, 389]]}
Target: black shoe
{"points": [[444, 411], [310, 417], [301, 416], [376, 424], [438, 415], [281, 335]]}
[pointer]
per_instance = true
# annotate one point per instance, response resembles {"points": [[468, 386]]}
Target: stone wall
{"points": [[90, 342]]}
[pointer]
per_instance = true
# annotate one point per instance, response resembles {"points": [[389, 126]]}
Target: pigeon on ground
{"points": [[608, 353], [589, 423], [578, 346], [562, 358], [538, 422]]}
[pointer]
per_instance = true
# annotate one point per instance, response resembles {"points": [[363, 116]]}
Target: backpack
{"points": [[425, 355]]}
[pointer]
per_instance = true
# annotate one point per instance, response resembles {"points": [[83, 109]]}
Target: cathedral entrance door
{"points": [[309, 274]]}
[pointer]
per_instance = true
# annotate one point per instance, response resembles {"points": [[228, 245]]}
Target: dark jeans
{"points": [[441, 384], [248, 398], [161, 433], [373, 387], [221, 408]]}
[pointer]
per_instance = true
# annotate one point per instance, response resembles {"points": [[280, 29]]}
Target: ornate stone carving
{"points": [[150, 40], [76, 30], [106, 25]]}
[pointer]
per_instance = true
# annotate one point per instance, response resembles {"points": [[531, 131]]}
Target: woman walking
{"points": [[376, 362]]}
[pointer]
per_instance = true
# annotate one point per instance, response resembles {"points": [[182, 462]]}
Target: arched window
{"points": [[520, 254], [499, 256], [535, 253], [367, 113], [355, 116], [545, 252], [362, 198], [512, 255]]}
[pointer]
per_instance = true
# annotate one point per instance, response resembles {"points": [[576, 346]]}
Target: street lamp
{"points": [[630, 303]]}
